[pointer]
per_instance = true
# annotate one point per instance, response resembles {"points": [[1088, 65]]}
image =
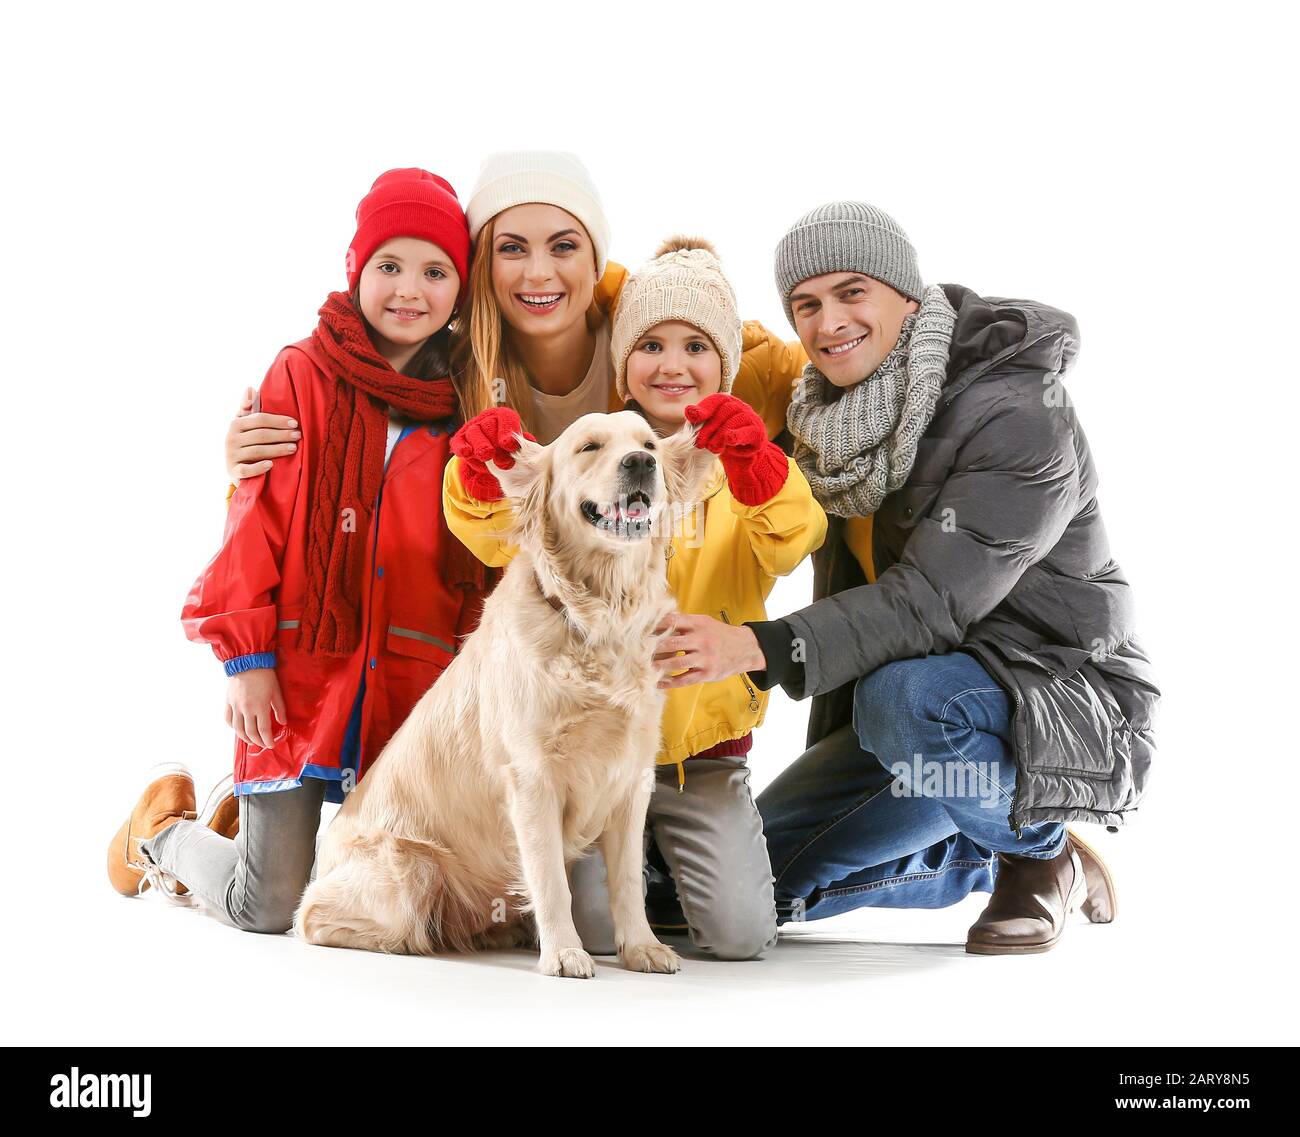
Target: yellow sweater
{"points": [[857, 535], [726, 572]]}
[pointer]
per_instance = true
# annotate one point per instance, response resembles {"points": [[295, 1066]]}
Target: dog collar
{"points": [[551, 600]]}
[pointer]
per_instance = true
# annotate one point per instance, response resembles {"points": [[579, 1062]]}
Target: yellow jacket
{"points": [[730, 572], [726, 571], [726, 574]]}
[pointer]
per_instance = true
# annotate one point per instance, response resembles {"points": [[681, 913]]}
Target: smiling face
{"points": [[605, 485], [543, 269], [407, 292], [848, 323], [671, 366]]}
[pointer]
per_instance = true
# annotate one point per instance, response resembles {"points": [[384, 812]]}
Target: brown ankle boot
{"points": [[1033, 899], [1029, 906], [168, 798], [1101, 904]]}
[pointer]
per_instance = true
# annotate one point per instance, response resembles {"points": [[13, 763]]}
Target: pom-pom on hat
{"points": [[410, 203]]}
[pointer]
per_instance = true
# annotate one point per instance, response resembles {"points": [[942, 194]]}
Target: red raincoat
{"points": [[248, 600]]}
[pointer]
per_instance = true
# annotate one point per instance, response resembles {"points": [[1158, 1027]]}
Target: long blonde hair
{"points": [[481, 350]]}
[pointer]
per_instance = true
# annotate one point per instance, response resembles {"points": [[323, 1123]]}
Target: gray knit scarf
{"points": [[857, 444]]}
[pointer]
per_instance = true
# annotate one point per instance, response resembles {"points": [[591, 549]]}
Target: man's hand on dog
{"points": [[704, 650]]}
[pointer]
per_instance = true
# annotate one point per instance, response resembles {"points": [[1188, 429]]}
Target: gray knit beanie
{"points": [[847, 236]]}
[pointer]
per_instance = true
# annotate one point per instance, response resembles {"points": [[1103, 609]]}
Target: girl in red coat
{"points": [[338, 595]]}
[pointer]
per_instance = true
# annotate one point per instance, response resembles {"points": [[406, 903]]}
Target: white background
{"points": [[178, 194]]}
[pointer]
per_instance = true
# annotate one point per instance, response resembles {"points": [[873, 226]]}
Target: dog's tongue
{"points": [[634, 510]]}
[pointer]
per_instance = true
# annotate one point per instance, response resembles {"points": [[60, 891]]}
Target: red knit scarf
{"points": [[355, 437]]}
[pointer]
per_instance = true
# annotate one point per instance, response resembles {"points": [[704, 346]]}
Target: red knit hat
{"points": [[410, 203]]}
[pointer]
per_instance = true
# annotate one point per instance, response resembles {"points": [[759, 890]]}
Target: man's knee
{"points": [[888, 701], [896, 704]]}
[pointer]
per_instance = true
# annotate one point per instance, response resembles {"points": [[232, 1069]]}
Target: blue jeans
{"points": [[906, 808]]}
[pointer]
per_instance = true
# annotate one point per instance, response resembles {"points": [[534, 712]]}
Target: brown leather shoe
{"points": [[1033, 899], [1101, 904], [220, 812], [168, 798]]}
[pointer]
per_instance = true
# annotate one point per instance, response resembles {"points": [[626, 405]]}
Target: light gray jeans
{"points": [[256, 880], [711, 837]]}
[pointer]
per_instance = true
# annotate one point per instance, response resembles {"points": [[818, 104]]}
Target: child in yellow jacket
{"points": [[676, 343]]}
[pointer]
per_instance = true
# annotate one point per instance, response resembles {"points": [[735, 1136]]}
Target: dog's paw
{"points": [[570, 963], [651, 957]]}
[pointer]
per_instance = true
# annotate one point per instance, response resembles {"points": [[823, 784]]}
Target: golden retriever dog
{"points": [[540, 737]]}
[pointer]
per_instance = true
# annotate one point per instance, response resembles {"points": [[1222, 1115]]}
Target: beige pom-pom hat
{"points": [[684, 281]]}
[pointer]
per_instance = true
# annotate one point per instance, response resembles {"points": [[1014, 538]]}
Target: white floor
{"points": [[106, 970], [1203, 951]]}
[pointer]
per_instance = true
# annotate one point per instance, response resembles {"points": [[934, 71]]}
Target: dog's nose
{"points": [[638, 462]]}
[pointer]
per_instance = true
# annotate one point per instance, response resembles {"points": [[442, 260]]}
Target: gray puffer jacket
{"points": [[995, 546]]}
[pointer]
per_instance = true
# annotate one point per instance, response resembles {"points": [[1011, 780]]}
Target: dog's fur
{"points": [[540, 737]]}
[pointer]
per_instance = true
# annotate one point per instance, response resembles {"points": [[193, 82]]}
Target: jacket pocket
{"points": [[425, 646], [288, 627], [1073, 728], [752, 700], [305, 679], [1068, 713]]}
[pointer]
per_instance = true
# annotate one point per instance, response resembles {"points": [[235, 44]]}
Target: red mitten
{"points": [[487, 437], [730, 428]]}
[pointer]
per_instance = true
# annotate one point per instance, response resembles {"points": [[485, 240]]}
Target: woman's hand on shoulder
{"points": [[255, 439]]}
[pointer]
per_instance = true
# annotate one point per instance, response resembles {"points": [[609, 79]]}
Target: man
{"points": [[970, 651]]}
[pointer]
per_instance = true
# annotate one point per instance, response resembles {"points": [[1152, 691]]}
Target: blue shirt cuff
{"points": [[249, 662]]}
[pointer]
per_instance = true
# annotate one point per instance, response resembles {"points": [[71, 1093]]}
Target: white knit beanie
{"points": [[552, 177], [683, 282]]}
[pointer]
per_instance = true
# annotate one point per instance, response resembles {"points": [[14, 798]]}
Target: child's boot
{"points": [[220, 812], [168, 798]]}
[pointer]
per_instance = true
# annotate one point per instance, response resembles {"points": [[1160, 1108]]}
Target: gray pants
{"points": [[711, 837], [256, 880]]}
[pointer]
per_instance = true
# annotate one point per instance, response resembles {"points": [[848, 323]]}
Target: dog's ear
{"points": [[686, 466], [529, 466], [528, 486]]}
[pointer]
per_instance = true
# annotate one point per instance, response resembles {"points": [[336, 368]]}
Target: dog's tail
{"points": [[393, 894]]}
